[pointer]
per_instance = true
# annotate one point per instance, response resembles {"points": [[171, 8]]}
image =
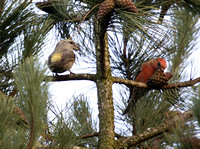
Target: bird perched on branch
{"points": [[63, 57], [147, 70]]}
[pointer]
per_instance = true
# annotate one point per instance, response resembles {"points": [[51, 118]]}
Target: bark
{"points": [[89, 77], [144, 85], [104, 87]]}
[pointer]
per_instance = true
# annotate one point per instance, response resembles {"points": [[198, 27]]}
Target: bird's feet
{"points": [[71, 73]]}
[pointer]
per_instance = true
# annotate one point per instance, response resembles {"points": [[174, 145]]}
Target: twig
{"points": [[31, 135], [87, 15], [95, 134]]}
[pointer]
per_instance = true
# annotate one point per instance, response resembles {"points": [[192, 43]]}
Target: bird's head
{"points": [[71, 44], [66, 44], [158, 64], [162, 65]]}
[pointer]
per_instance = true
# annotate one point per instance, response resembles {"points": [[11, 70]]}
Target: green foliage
{"points": [[13, 136], [14, 19], [34, 36], [64, 133], [69, 124], [22, 34], [83, 121], [33, 95], [184, 40]]}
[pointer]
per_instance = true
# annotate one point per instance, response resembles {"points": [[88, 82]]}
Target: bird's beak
{"points": [[77, 47], [162, 69]]}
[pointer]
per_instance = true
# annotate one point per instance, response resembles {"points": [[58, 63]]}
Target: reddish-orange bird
{"points": [[147, 69]]}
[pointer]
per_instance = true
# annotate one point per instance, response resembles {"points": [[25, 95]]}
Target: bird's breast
{"points": [[56, 57]]}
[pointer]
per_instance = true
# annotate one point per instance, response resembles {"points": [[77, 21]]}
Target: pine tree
{"points": [[116, 36]]}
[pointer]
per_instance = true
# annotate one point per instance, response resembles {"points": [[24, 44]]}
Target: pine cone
{"points": [[127, 4], [159, 79], [105, 8]]}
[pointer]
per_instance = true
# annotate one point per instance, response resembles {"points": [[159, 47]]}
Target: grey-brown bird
{"points": [[63, 57]]}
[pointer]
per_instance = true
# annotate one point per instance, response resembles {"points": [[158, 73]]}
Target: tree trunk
{"points": [[104, 88]]}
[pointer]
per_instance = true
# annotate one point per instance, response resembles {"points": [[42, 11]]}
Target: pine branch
{"points": [[144, 85], [50, 8], [95, 134], [182, 84], [153, 132], [129, 82], [91, 77]]}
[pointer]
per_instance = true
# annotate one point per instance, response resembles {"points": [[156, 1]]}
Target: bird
{"points": [[63, 57], [147, 69]]}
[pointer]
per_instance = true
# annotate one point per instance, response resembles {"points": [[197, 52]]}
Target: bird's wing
{"points": [[138, 72], [135, 93], [49, 60], [68, 56], [140, 69]]}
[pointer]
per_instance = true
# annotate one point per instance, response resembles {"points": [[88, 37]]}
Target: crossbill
{"points": [[63, 57], [147, 69]]}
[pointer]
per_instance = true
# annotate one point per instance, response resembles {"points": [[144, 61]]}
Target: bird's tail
{"points": [[135, 95], [130, 101], [130, 106]]}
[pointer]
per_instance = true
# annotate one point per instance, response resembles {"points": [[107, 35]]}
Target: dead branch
{"points": [[152, 132]]}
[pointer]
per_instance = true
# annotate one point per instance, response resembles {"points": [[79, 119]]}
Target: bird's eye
{"points": [[159, 64], [71, 42]]}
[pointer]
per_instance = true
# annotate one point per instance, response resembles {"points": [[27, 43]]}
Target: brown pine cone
{"points": [[159, 79], [105, 8], [126, 4]]}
